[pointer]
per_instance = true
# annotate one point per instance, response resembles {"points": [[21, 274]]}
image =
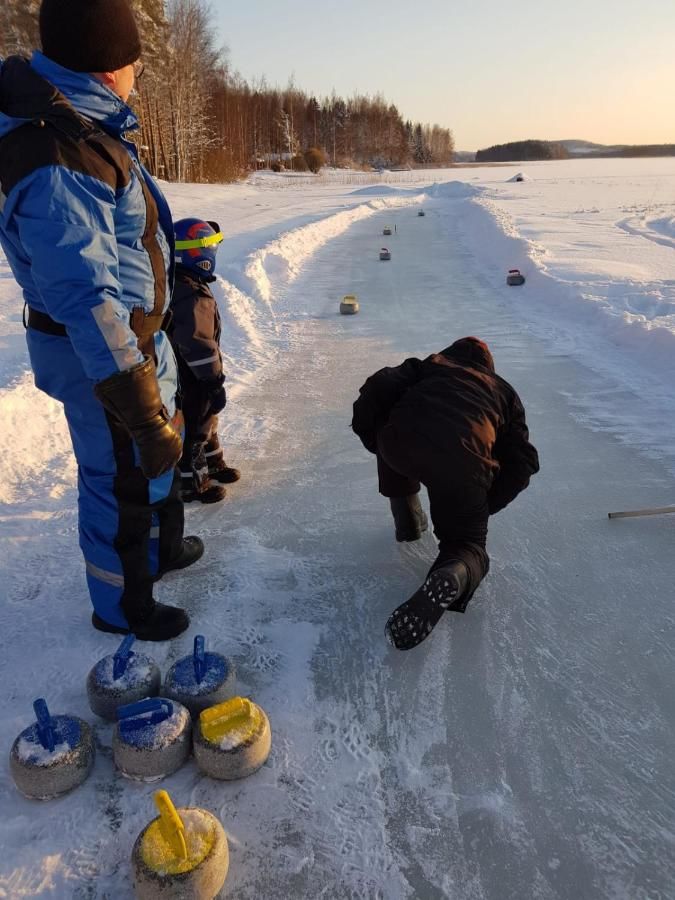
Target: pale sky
{"points": [[492, 70]]}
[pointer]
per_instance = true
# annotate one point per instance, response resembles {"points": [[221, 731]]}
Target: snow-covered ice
{"points": [[525, 749]]}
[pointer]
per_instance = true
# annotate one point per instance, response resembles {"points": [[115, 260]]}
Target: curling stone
{"points": [[152, 738], [182, 854], [232, 740], [120, 679], [349, 305], [515, 278], [52, 756], [201, 680]]}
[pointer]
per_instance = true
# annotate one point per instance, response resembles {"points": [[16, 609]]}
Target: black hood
{"points": [[470, 351], [26, 96]]}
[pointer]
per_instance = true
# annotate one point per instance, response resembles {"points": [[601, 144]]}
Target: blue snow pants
{"points": [[129, 526]]}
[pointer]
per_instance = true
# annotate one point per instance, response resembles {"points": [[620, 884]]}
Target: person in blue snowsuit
{"points": [[89, 238]]}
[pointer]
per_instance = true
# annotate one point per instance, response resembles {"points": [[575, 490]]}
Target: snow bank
{"points": [[452, 190], [600, 279]]}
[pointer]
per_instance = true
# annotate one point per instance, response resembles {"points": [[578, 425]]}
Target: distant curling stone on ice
{"points": [[349, 305], [385, 253], [200, 680], [120, 679], [232, 740], [181, 855], [152, 738], [421, 213], [52, 756], [515, 278]]}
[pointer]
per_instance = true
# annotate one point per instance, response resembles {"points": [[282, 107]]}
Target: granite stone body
{"points": [[141, 678], [216, 686], [156, 751], [233, 759], [203, 882], [40, 775]]}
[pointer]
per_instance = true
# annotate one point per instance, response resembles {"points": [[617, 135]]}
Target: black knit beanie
{"points": [[89, 35]]}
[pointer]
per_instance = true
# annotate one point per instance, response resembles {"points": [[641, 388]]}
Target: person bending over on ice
{"points": [[195, 334], [451, 423]]}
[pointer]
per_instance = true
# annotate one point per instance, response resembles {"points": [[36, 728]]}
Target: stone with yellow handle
{"points": [[183, 853], [232, 740]]}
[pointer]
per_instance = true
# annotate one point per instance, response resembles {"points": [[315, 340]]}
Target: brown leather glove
{"points": [[133, 398]]}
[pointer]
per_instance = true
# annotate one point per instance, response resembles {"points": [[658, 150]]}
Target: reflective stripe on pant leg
{"points": [[59, 373], [213, 451], [115, 516]]}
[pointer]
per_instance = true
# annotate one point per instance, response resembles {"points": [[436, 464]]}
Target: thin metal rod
{"points": [[657, 511]]}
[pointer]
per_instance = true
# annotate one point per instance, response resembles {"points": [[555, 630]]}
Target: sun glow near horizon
{"points": [[601, 72]]}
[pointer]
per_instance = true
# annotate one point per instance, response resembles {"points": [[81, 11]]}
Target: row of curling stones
{"points": [[197, 682], [183, 853], [52, 756], [153, 739]]}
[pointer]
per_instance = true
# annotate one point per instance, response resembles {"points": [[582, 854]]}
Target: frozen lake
{"points": [[523, 751]]}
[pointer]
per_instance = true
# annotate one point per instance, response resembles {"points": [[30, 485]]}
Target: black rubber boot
{"points": [[409, 517], [414, 620], [214, 493], [162, 624], [191, 551], [225, 475]]}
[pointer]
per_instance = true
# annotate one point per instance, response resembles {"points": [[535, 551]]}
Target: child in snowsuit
{"points": [[195, 334], [451, 423]]}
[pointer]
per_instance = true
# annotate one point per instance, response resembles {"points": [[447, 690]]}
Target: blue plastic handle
{"points": [[199, 658], [150, 711], [44, 725], [122, 656]]}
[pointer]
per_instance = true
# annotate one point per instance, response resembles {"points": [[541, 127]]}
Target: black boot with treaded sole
{"points": [[191, 551], [414, 620], [162, 624]]}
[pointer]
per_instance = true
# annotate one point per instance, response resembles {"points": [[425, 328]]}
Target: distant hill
{"points": [[583, 148], [522, 150], [568, 149], [588, 149], [462, 156]]}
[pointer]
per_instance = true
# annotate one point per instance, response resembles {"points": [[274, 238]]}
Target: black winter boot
{"points": [[190, 552], [225, 475], [161, 624], [414, 620], [409, 517], [213, 493]]}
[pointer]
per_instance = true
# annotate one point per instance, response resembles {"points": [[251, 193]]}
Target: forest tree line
{"points": [[200, 121], [522, 150]]}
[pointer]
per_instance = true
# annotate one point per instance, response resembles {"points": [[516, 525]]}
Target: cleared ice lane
{"points": [[525, 750]]}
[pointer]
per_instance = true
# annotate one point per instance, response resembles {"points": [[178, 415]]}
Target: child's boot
{"points": [[218, 469]]}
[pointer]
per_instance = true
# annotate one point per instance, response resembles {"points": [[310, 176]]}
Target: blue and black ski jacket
{"points": [[85, 229]]}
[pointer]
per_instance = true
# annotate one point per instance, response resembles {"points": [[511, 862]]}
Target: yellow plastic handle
{"points": [[171, 825], [216, 721]]}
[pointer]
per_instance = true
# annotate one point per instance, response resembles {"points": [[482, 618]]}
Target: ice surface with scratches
{"points": [[525, 749]]}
